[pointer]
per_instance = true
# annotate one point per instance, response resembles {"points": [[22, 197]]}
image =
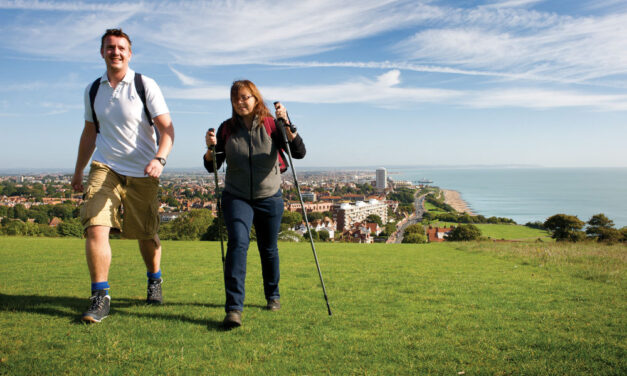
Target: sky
{"points": [[368, 83]]}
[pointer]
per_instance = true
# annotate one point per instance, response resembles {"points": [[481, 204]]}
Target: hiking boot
{"points": [[99, 307], [154, 291], [273, 305], [233, 319]]}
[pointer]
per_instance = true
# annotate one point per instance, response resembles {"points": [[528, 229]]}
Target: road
{"points": [[416, 217]]}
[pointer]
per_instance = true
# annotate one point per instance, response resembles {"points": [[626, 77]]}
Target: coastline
{"points": [[454, 199]]}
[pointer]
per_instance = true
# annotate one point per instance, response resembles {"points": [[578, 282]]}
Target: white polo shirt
{"points": [[126, 142]]}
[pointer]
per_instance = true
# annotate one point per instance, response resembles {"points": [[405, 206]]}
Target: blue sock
{"points": [[156, 275], [100, 286]]}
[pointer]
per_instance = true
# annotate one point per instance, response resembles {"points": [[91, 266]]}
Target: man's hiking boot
{"points": [[154, 291], [99, 308], [273, 305], [233, 319]]}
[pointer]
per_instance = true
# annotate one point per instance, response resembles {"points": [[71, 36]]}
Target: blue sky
{"points": [[369, 83]]}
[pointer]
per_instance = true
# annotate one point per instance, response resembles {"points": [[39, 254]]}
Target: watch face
{"points": [[161, 160]]}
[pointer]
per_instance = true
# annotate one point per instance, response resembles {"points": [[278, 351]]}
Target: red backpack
{"points": [[272, 131]]}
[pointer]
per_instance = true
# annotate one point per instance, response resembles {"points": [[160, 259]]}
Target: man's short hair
{"points": [[115, 33]]}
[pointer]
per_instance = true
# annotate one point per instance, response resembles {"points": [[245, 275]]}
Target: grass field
{"points": [[478, 308], [504, 231]]}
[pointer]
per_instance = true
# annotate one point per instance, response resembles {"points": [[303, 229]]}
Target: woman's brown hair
{"points": [[260, 109]]}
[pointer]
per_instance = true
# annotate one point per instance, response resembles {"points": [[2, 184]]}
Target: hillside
{"points": [[478, 308]]}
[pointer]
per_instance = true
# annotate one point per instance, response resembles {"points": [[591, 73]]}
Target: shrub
{"points": [[414, 238], [565, 227], [415, 229], [464, 233]]}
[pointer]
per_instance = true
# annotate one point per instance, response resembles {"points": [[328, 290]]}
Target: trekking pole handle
{"points": [[212, 147], [292, 127]]}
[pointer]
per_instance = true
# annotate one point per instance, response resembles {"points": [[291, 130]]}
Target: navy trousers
{"points": [[239, 215]]}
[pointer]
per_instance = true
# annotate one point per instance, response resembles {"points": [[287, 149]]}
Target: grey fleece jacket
{"points": [[252, 164]]}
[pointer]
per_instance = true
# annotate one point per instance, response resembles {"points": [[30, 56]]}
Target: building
{"points": [[437, 234], [309, 206], [382, 179], [308, 196], [347, 214]]}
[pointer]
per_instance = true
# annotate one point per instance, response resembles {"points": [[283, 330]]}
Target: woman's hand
{"points": [[210, 138], [281, 113]]}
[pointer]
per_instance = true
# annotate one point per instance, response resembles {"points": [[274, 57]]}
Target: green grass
{"points": [[481, 308], [503, 231], [512, 232], [433, 209]]}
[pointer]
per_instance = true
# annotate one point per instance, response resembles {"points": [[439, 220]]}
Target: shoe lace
{"points": [[153, 288], [97, 302]]}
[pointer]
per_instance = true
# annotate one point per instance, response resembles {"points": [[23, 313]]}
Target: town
{"points": [[355, 206]]}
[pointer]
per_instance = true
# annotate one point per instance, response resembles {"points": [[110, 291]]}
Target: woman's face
{"points": [[244, 103]]}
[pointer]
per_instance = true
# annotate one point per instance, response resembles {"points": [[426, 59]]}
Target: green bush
{"points": [[414, 238], [464, 233]]}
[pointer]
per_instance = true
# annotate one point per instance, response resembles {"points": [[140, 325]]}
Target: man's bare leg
{"points": [[151, 253]]}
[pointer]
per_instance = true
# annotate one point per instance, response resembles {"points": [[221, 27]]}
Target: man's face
{"points": [[116, 52]]}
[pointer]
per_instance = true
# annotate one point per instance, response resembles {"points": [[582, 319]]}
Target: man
{"points": [[124, 173]]}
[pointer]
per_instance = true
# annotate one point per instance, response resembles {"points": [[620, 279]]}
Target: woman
{"points": [[251, 144]]}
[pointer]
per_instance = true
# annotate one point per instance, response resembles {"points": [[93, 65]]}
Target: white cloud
{"points": [[185, 79], [385, 91], [545, 99], [524, 42], [512, 3], [70, 6]]}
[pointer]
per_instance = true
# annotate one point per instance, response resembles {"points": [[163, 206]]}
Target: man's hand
{"points": [[77, 181], [153, 169]]}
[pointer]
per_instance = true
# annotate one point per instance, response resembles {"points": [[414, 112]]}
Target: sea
{"points": [[527, 194]]}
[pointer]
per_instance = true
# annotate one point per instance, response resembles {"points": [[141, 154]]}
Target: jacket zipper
{"points": [[250, 160]]}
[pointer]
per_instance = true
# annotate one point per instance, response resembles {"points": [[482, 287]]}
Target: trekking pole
{"points": [[218, 198], [281, 126]]}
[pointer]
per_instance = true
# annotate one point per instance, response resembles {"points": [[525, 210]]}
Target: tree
{"points": [[70, 227], [19, 212], [464, 233], [292, 218], [390, 227], [414, 238], [212, 232], [415, 229], [63, 211], [312, 216], [323, 235], [314, 235], [14, 228], [373, 218], [40, 217], [190, 225], [565, 227], [602, 228]]}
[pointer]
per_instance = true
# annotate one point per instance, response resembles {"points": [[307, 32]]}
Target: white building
{"points": [[382, 179], [348, 214]]}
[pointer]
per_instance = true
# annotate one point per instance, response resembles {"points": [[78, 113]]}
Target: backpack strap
{"points": [[272, 131], [93, 90], [139, 87], [141, 90]]}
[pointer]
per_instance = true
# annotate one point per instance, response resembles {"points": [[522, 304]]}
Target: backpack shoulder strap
{"points": [[141, 90], [272, 130], [93, 90]]}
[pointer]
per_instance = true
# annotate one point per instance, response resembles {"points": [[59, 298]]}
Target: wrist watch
{"points": [[161, 160]]}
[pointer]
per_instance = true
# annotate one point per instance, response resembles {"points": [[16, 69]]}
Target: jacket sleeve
{"points": [[297, 146], [220, 155]]}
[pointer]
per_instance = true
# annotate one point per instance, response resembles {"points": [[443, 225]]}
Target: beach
{"points": [[454, 199]]}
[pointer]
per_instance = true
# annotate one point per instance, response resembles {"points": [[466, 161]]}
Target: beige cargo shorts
{"points": [[121, 202]]}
